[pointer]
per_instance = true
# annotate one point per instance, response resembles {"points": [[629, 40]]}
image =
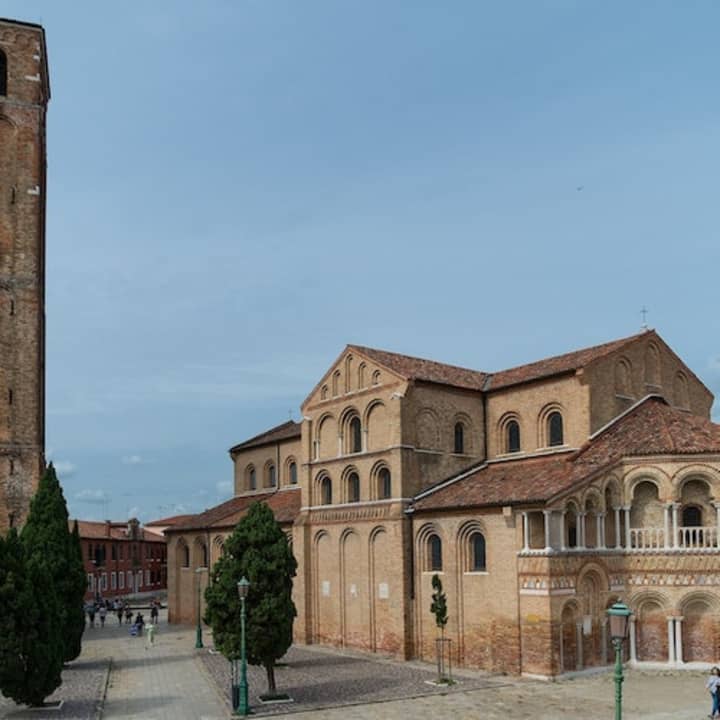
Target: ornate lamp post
{"points": [[241, 693], [619, 615], [198, 630]]}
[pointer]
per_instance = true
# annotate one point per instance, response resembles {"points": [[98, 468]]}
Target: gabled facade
{"points": [[539, 494]]}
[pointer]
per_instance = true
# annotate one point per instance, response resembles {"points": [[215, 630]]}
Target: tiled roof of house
{"points": [[172, 520], [287, 431], [414, 368], [435, 372], [285, 505], [650, 428], [556, 365], [97, 530]]}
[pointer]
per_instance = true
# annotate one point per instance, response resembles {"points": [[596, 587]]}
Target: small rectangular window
{"points": [[113, 581], [121, 579], [10, 396], [12, 466]]}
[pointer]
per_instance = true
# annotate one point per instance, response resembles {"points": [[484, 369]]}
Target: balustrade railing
{"points": [[647, 538], [688, 538], [697, 537]]}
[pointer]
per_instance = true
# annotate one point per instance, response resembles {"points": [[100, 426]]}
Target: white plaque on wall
{"points": [[326, 588], [383, 591], [353, 590], [587, 625]]}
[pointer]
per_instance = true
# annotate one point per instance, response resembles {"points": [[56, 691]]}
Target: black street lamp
{"points": [[619, 615], [198, 630], [240, 692]]}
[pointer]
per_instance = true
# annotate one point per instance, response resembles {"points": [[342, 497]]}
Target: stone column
{"points": [[627, 526], [579, 644], [678, 640], [675, 532], [618, 541], [581, 530], [562, 530], [526, 532], [671, 641], [633, 640], [666, 518], [717, 524], [547, 516], [600, 524]]}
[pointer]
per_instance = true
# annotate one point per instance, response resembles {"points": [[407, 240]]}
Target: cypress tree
{"points": [[258, 550], [30, 641], [46, 536], [77, 582]]}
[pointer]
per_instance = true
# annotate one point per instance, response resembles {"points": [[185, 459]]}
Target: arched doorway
{"points": [[700, 631], [651, 632]]}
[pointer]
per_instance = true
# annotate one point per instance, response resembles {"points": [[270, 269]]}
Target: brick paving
{"points": [[321, 678], [81, 690], [173, 681]]}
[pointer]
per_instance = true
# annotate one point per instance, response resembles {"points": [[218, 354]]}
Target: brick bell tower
{"points": [[24, 94]]}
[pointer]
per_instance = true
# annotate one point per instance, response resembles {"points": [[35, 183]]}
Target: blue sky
{"points": [[238, 188]]}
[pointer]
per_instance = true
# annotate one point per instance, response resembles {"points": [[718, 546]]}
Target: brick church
{"points": [[540, 495]]}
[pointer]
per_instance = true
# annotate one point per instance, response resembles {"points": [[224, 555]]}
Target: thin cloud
{"points": [[132, 460], [224, 487], [64, 468], [94, 497]]}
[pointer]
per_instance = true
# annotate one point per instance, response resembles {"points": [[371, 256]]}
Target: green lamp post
{"points": [[243, 706], [619, 615], [198, 630]]}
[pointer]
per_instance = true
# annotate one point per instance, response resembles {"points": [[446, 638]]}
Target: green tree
{"points": [[258, 550], [439, 609], [77, 582], [46, 536], [30, 640], [439, 604]]}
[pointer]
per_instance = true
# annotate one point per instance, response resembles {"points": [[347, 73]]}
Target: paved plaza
{"points": [[118, 677]]}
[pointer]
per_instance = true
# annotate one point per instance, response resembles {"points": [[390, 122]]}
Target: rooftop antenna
{"points": [[644, 313]]}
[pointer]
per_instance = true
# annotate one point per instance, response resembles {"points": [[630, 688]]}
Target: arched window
{"points": [[3, 73], [361, 375], [555, 428], [692, 516], [336, 383], [204, 556], [355, 435], [513, 436], [434, 559], [271, 476], [459, 438], [353, 488], [376, 377], [477, 552], [384, 484], [326, 491], [186, 556], [252, 479], [292, 471], [324, 392]]}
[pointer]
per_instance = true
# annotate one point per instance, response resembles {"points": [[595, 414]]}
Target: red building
{"points": [[122, 559]]}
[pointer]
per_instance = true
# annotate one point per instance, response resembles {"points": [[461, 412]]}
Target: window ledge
{"points": [[476, 572], [433, 572]]}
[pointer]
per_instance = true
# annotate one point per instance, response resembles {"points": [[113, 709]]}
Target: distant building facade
{"points": [[24, 95], [122, 559], [539, 495]]}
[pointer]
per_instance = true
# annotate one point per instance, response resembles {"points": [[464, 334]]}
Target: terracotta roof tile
{"points": [[96, 530], [172, 520], [650, 428], [414, 368], [287, 431], [285, 505], [556, 365]]}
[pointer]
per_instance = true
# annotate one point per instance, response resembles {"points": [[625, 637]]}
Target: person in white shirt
{"points": [[713, 687]]}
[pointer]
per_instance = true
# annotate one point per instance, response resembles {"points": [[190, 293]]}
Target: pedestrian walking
{"points": [[713, 687], [103, 615], [91, 615], [150, 634], [139, 623], [119, 611], [128, 614], [154, 612]]}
